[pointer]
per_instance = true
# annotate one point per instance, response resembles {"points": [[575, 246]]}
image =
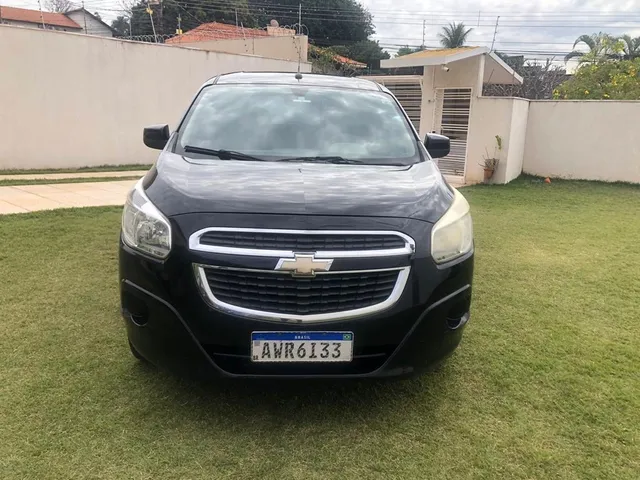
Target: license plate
{"points": [[297, 347]]}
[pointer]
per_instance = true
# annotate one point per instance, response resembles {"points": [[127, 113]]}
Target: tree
{"points": [[58, 6], [343, 24], [165, 15], [324, 61], [602, 47], [539, 79], [121, 26], [327, 22], [454, 35], [407, 50], [630, 47], [603, 81], [365, 51], [517, 62]]}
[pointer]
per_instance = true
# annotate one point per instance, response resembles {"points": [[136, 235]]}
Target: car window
{"points": [[283, 121]]}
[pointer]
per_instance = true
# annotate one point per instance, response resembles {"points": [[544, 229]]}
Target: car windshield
{"points": [[276, 122]]}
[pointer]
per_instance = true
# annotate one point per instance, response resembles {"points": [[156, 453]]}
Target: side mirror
{"points": [[156, 136], [438, 146]]}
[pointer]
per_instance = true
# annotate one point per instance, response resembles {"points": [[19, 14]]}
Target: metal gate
{"points": [[408, 91], [451, 118]]}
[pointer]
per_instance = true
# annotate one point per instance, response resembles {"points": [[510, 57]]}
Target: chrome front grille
{"points": [[313, 295], [284, 243], [300, 242]]}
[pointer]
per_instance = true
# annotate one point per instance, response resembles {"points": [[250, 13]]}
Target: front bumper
{"points": [[171, 325]]}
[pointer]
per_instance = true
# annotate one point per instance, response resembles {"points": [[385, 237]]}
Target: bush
{"points": [[613, 80]]}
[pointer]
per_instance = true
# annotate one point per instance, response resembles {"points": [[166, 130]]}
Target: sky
{"points": [[538, 28]]}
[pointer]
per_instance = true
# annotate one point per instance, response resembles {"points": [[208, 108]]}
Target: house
{"points": [[215, 31], [271, 42], [23, 17], [90, 24], [447, 99], [78, 21]]}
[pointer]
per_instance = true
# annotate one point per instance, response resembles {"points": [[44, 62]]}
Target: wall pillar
{"points": [[428, 101]]}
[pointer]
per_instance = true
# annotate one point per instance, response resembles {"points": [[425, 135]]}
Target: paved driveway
{"points": [[30, 198]]}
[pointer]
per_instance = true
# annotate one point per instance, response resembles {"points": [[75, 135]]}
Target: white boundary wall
{"points": [[72, 100], [584, 139]]}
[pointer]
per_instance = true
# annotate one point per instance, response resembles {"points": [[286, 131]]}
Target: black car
{"points": [[295, 225]]}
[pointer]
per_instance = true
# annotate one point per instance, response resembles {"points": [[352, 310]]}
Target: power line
{"points": [[325, 13], [627, 26], [458, 13]]}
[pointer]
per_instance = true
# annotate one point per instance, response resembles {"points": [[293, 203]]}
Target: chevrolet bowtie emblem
{"points": [[304, 265]]}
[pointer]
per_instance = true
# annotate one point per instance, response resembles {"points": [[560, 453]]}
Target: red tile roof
{"points": [[216, 31], [338, 58], [33, 16], [349, 61]]}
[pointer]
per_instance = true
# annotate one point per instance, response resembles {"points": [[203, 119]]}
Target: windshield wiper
{"points": [[223, 154], [320, 159]]}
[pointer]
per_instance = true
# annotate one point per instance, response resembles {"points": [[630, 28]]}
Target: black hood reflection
{"points": [[226, 186]]}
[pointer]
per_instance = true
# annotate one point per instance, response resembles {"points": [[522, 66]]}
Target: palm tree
{"points": [[602, 46], [630, 47], [454, 35]]}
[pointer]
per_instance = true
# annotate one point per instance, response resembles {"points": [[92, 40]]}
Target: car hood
{"points": [[177, 186]]}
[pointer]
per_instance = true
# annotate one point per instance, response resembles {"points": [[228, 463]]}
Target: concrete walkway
{"points": [[30, 198], [58, 176]]}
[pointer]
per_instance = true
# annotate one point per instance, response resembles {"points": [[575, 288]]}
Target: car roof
{"points": [[289, 78]]}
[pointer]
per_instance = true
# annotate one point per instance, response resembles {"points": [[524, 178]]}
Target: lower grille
{"points": [[282, 293], [283, 296]]}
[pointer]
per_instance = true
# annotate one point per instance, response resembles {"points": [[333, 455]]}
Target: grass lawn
{"points": [[545, 385], [101, 168], [42, 181]]}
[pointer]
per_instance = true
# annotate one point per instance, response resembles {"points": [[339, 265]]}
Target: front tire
{"points": [[136, 353]]}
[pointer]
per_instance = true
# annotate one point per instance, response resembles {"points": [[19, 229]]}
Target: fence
{"points": [[69, 100]]}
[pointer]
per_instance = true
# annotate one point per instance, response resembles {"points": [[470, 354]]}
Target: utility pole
{"points": [[424, 22], [236, 17], [179, 30], [84, 17], [41, 16], [299, 18], [153, 27], [494, 33]]}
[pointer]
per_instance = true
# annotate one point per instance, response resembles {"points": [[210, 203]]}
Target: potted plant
{"points": [[490, 163]]}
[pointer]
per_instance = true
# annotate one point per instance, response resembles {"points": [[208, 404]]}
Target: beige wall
{"points": [[593, 140], [465, 73], [37, 25], [286, 48], [491, 116], [70, 100]]}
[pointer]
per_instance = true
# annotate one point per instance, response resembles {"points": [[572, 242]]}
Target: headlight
{"points": [[144, 227], [452, 235]]}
